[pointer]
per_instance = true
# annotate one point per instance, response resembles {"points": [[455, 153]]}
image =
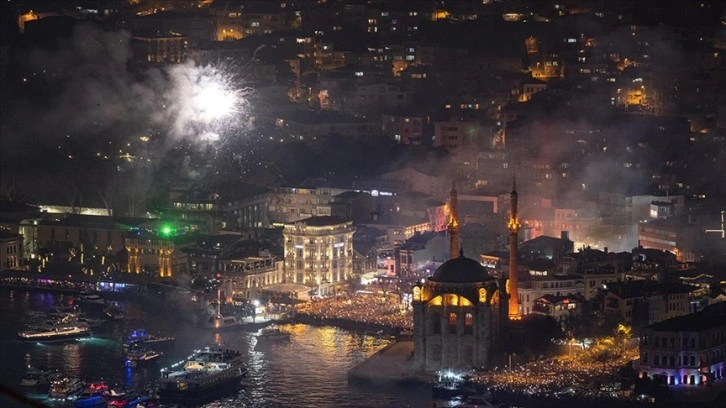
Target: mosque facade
{"points": [[458, 312]]}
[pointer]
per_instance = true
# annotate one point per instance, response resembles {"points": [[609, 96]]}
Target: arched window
{"points": [[468, 323], [452, 323], [435, 321]]}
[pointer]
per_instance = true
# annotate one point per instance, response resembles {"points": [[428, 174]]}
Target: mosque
{"points": [[461, 313]]}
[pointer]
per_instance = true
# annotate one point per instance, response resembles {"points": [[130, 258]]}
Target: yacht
{"points": [[273, 333]]}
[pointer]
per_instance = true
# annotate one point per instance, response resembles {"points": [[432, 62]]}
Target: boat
{"points": [[448, 384], [92, 322], [95, 395], [222, 322], [205, 374], [35, 377], [65, 388], [478, 401], [55, 333], [91, 299], [114, 312], [273, 333], [61, 311], [131, 399], [143, 337], [140, 356]]}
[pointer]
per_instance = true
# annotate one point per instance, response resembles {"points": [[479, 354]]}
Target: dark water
{"points": [[308, 371]]}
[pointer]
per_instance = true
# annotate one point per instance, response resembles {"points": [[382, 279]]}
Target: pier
{"points": [[393, 363]]}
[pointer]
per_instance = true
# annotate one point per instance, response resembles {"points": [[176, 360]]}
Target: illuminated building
{"points": [[404, 129], [247, 277], [545, 283], [455, 313], [11, 250], [513, 283], [686, 350], [564, 309], [462, 138], [100, 235], [675, 235], [643, 302], [155, 248], [160, 49], [319, 253]]}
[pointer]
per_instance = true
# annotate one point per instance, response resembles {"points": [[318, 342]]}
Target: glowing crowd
{"points": [[364, 309], [561, 376]]}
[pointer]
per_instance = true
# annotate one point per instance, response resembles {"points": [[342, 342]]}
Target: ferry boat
{"points": [[55, 333], [205, 374], [143, 337], [95, 395], [273, 333], [65, 388]]}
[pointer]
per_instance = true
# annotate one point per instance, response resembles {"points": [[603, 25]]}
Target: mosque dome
{"points": [[461, 270]]}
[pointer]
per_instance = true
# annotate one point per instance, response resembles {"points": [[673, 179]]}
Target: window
{"points": [[436, 353], [435, 323], [452, 323], [468, 323]]}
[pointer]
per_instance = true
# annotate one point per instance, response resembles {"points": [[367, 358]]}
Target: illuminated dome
{"points": [[461, 270]]}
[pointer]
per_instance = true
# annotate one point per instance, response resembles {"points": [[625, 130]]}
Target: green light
{"points": [[166, 230]]}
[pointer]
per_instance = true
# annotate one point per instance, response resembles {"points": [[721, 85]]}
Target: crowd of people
{"points": [[364, 310], [581, 374]]}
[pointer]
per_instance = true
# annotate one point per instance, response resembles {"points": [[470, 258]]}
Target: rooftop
{"points": [[710, 317]]}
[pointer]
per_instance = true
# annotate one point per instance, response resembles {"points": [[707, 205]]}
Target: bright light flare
{"points": [[212, 102], [203, 100]]}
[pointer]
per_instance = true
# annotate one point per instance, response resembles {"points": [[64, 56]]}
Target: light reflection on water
{"points": [[309, 370]]}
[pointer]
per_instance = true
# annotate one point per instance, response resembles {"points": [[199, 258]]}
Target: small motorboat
{"points": [[143, 337], [95, 395], [140, 356], [131, 399], [36, 377], [91, 299], [114, 312], [273, 333]]}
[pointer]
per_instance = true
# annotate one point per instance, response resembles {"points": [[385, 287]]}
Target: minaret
{"points": [[453, 227], [513, 225]]}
